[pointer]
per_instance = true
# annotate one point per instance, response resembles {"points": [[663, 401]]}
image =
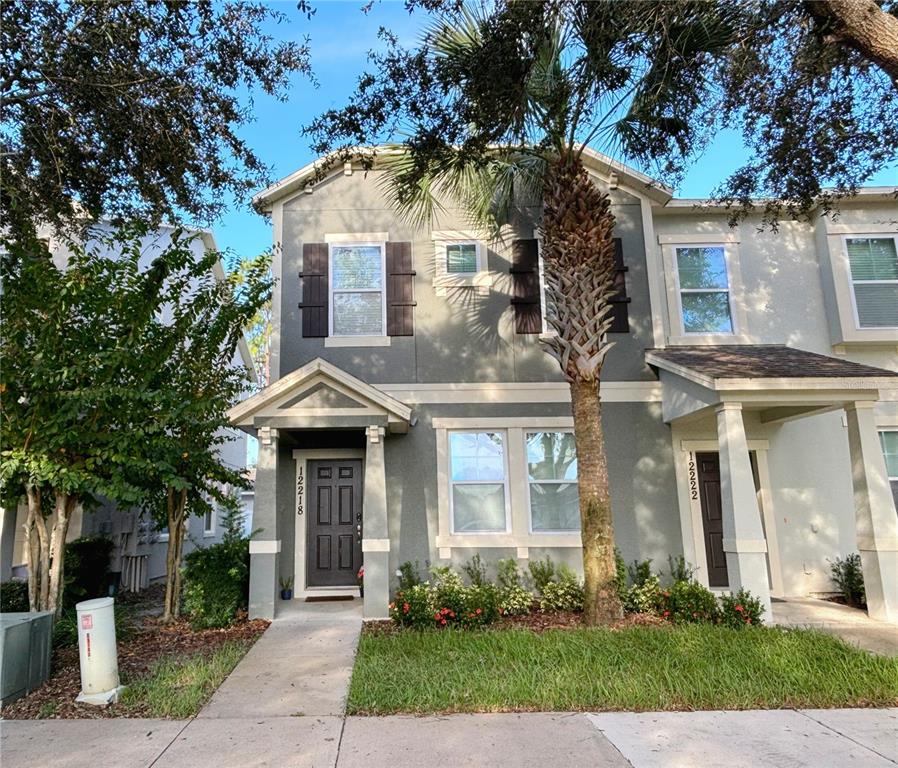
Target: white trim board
{"points": [[519, 392]]}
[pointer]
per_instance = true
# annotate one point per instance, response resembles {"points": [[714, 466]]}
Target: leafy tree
{"points": [[133, 109], [502, 103]]}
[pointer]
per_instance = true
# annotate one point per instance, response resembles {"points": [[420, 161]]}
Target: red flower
{"points": [[666, 614], [443, 622], [478, 611], [739, 608], [405, 607]]}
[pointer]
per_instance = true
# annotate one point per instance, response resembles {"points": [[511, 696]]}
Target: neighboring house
{"points": [[140, 550], [750, 401]]}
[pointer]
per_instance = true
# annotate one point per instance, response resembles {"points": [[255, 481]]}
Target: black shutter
{"points": [[313, 283], [620, 315], [400, 290], [525, 287]]}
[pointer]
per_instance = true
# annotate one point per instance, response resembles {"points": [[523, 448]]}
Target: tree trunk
{"points": [[578, 253], [601, 604], [65, 504], [32, 547], [863, 26], [177, 506]]}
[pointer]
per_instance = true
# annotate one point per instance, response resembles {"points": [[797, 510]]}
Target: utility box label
{"points": [[87, 621]]}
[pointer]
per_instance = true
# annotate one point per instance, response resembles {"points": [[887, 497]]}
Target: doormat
{"points": [[329, 598]]}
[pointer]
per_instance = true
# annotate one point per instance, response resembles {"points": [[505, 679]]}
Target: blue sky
{"points": [[340, 36]]}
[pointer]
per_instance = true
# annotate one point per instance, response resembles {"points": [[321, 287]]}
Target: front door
{"points": [[712, 517], [335, 523]]}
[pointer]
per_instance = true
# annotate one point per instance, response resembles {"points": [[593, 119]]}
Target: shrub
{"points": [[481, 606], [542, 572], [848, 576], [688, 602], [740, 610], [644, 598], [413, 607], [620, 577], [640, 572], [86, 569], [514, 600], [680, 569], [409, 575], [475, 570], [565, 594], [447, 592], [14, 596], [216, 583]]}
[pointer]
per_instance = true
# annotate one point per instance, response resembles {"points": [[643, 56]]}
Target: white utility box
{"points": [[99, 654]]}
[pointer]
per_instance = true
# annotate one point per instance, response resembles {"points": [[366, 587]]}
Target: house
{"points": [[139, 553], [750, 401]]}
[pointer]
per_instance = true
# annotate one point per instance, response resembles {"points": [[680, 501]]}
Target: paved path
{"points": [[853, 625], [283, 707]]}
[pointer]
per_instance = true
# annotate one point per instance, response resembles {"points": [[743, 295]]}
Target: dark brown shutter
{"points": [[400, 290], [525, 287], [621, 323], [313, 283]]}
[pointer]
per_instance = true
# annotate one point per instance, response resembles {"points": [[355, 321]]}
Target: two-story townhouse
{"points": [[139, 552], [413, 414]]}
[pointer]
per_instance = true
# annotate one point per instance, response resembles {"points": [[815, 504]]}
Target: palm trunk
{"points": [[578, 253]]}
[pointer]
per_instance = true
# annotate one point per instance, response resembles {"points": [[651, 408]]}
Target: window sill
{"points": [[357, 341], [208, 534]]}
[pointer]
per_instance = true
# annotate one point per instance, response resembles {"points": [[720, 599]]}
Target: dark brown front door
{"points": [[335, 523], [712, 517]]}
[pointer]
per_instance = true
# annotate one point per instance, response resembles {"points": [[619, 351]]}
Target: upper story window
{"points": [[478, 482], [357, 293], [873, 264], [704, 289], [462, 259], [552, 482], [209, 522]]}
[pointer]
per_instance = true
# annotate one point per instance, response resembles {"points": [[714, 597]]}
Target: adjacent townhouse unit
{"points": [[139, 549], [750, 400]]}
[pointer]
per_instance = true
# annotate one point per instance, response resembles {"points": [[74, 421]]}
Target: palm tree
{"points": [[526, 88]]}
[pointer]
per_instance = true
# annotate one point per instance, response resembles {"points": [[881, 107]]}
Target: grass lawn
{"points": [[636, 668]]}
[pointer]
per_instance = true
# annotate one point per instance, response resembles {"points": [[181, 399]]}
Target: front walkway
{"points": [[853, 625]]}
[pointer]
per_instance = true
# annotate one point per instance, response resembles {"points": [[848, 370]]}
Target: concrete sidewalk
{"points": [[755, 739]]}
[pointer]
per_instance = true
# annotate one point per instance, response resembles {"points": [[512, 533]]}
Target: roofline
{"points": [[677, 204], [593, 159]]}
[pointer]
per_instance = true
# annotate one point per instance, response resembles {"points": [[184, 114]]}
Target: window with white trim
{"points": [[209, 522], [873, 263], [478, 482], [462, 258], [889, 438], [357, 290], [552, 482], [704, 289]]}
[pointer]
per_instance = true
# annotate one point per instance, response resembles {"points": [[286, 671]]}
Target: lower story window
{"points": [[209, 522], [890, 449], [552, 478], [477, 478]]}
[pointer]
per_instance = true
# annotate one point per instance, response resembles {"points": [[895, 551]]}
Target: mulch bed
{"points": [[537, 621], [150, 642]]}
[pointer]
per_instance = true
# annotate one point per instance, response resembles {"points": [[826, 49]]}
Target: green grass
{"points": [[179, 687], [639, 668]]}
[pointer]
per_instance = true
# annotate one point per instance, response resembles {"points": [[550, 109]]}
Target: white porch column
{"points": [[265, 546], [743, 533], [874, 511], [375, 528]]}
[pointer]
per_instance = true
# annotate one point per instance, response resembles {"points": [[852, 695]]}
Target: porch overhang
{"points": [[780, 382], [321, 395]]}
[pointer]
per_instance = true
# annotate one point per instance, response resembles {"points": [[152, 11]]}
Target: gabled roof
{"points": [[596, 161], [298, 397]]}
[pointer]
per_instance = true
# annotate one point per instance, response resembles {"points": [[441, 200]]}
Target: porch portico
{"points": [[722, 403], [337, 424]]}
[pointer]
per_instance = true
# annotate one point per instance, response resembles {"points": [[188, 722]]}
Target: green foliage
{"points": [[286, 583], [124, 110], [620, 575], [640, 572], [565, 594], [542, 572], [514, 599], [216, 583], [448, 592], [413, 607], [646, 597], [86, 569], [445, 602], [680, 570], [65, 626], [475, 570], [14, 596], [688, 602], [740, 610], [409, 575], [848, 576]]}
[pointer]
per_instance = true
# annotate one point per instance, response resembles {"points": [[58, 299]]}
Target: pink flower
{"points": [[405, 607], [739, 608]]}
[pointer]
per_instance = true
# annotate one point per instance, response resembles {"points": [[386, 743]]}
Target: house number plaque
{"points": [[693, 482], [300, 487]]}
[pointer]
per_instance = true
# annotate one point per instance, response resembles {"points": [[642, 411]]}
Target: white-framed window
{"points": [[461, 257], [460, 261], [209, 522], [873, 269], [356, 278], [703, 288], [478, 482], [889, 439], [551, 459]]}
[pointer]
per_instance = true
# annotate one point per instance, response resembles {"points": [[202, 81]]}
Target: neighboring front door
{"points": [[335, 523], [712, 517]]}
